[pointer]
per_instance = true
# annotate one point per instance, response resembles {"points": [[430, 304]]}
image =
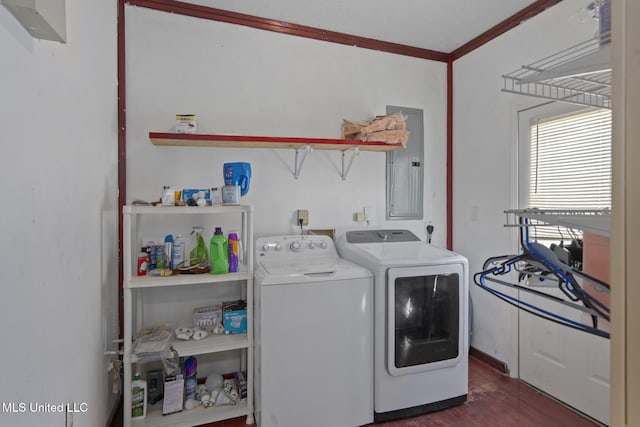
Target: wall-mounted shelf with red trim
{"points": [[302, 146]]}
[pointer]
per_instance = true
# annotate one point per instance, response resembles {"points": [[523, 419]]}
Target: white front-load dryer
{"points": [[313, 335], [420, 321]]}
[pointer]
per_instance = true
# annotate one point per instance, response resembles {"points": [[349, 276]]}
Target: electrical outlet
{"points": [[303, 215]]}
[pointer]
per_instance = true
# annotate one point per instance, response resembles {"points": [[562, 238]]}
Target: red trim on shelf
{"points": [[347, 143]]}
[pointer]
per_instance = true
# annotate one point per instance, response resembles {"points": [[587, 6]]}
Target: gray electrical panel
{"points": [[405, 170]]}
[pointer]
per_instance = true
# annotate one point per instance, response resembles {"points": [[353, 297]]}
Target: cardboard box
{"points": [[216, 196], [186, 123], [231, 195], [241, 384], [195, 194], [234, 316], [207, 318]]}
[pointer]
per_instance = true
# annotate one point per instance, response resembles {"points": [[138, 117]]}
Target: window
{"points": [[564, 161], [570, 161]]}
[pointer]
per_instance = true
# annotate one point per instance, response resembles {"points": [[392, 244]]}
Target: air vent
{"points": [[43, 19]]}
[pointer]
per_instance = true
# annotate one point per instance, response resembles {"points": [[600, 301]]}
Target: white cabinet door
{"points": [[570, 365]]}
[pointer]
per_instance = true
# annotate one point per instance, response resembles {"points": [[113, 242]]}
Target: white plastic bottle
{"points": [[138, 398], [177, 253]]}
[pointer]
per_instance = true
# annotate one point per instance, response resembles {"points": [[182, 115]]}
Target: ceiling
{"points": [[439, 25]]}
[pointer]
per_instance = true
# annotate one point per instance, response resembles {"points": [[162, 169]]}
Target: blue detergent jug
{"points": [[238, 173]]}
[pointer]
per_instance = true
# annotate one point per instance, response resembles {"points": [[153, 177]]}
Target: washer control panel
{"points": [[294, 245]]}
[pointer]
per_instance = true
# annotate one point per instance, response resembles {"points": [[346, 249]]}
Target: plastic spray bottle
{"points": [[199, 254], [168, 250], [219, 253]]}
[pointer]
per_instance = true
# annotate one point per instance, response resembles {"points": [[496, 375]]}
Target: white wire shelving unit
{"points": [[593, 221], [578, 75]]}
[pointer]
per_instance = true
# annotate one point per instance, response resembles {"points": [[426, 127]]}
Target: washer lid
{"points": [[380, 255], [282, 271]]}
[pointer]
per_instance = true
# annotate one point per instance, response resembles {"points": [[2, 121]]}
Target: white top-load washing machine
{"points": [[313, 335], [421, 321]]}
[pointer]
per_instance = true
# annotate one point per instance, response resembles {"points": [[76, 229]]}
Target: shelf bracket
{"points": [[301, 154], [354, 152]]}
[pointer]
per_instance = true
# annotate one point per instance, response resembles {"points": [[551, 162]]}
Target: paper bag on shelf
{"points": [[391, 129]]}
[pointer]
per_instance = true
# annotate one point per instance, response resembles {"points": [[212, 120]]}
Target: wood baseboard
{"points": [[499, 365]]}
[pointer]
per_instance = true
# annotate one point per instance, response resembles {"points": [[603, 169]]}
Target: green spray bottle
{"points": [[199, 254]]}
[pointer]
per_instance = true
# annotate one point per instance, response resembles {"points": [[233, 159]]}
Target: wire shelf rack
{"points": [[578, 75], [594, 221]]}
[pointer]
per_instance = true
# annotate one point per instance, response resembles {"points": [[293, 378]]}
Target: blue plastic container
{"points": [[238, 173]]}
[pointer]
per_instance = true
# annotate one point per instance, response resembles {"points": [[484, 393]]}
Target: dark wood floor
{"points": [[494, 400]]}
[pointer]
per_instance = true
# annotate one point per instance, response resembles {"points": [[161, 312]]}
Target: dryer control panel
{"points": [[294, 245], [381, 236]]}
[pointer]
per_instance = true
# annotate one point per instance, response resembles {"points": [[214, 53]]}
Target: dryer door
{"points": [[426, 309]]}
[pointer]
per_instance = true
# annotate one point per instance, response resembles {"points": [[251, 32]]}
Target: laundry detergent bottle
{"points": [[238, 173], [219, 251], [138, 398], [233, 252]]}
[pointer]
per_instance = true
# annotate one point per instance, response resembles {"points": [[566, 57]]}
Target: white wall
{"points": [[485, 144], [58, 293], [58, 107], [252, 82]]}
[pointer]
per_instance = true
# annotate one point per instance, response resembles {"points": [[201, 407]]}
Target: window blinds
{"points": [[571, 162]]}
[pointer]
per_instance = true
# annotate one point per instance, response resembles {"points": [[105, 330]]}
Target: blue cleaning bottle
{"points": [[238, 173]]}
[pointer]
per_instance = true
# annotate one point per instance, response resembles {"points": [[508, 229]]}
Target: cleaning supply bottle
{"points": [[168, 250], [233, 253], [219, 253], [177, 252], [238, 173], [199, 255], [138, 398], [190, 368]]}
